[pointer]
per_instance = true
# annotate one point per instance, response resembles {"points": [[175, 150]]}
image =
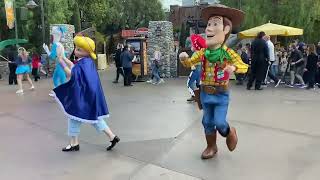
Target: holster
{"points": [[208, 90], [197, 98]]}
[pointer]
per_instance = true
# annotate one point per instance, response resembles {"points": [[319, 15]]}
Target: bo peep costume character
{"points": [[59, 76], [82, 98]]}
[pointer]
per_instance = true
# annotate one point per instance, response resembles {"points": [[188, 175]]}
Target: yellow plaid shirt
{"points": [[209, 70]]}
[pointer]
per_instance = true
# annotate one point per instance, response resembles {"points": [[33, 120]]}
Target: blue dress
{"points": [[59, 76], [23, 67], [82, 97]]}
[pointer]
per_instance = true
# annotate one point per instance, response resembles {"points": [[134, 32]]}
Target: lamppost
{"points": [[15, 22], [31, 5]]}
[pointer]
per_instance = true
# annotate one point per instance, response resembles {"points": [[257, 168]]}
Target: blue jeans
{"points": [[194, 77], [215, 108], [74, 127], [155, 73], [274, 69]]}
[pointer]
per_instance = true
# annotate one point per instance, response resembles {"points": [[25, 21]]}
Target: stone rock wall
{"points": [[68, 37], [4, 69], [160, 35]]}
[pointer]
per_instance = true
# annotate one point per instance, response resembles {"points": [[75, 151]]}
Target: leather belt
{"points": [[214, 89]]}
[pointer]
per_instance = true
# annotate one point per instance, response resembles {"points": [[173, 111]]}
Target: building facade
{"points": [[188, 2], [186, 14]]}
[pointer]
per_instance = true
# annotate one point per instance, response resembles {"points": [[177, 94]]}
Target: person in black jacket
{"points": [[118, 62], [12, 66], [126, 60], [244, 56], [311, 67], [260, 57], [297, 63]]}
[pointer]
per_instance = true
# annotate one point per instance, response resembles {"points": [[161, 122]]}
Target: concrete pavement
{"points": [[161, 136]]}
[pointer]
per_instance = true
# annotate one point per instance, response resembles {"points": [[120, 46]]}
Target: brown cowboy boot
{"points": [[232, 139], [212, 148]]}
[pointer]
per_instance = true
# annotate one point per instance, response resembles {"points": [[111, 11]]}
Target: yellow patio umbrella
{"points": [[272, 30]]}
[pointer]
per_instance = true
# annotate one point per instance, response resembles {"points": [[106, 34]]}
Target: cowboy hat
{"points": [[236, 16]]}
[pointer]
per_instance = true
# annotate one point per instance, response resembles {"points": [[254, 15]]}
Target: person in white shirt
{"points": [[272, 59], [155, 65]]}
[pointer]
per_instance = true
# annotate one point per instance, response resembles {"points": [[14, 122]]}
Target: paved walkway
{"points": [[161, 136]]}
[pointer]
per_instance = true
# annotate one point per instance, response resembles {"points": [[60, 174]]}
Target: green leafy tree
{"points": [[76, 20], [138, 13], [59, 11], [303, 14], [110, 15], [33, 29], [111, 45], [95, 11]]}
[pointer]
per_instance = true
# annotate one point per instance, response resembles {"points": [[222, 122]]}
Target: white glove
{"points": [[183, 56], [46, 48]]}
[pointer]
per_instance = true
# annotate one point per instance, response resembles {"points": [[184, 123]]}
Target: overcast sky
{"points": [[167, 3]]}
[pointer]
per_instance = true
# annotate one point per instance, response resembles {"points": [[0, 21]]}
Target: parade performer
{"points": [[82, 97], [217, 63], [59, 76], [23, 68], [197, 42]]}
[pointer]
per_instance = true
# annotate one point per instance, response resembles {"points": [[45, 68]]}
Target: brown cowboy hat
{"points": [[235, 15]]}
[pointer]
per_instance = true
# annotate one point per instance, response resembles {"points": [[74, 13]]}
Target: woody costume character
{"points": [[217, 63]]}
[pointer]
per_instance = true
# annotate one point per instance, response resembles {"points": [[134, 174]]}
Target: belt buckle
{"points": [[211, 89]]}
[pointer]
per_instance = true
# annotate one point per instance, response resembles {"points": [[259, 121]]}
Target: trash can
{"points": [[102, 62]]}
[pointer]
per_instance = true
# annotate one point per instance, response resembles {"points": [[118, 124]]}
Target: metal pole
{"points": [[15, 21], [197, 31], [4, 58], [42, 22]]}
